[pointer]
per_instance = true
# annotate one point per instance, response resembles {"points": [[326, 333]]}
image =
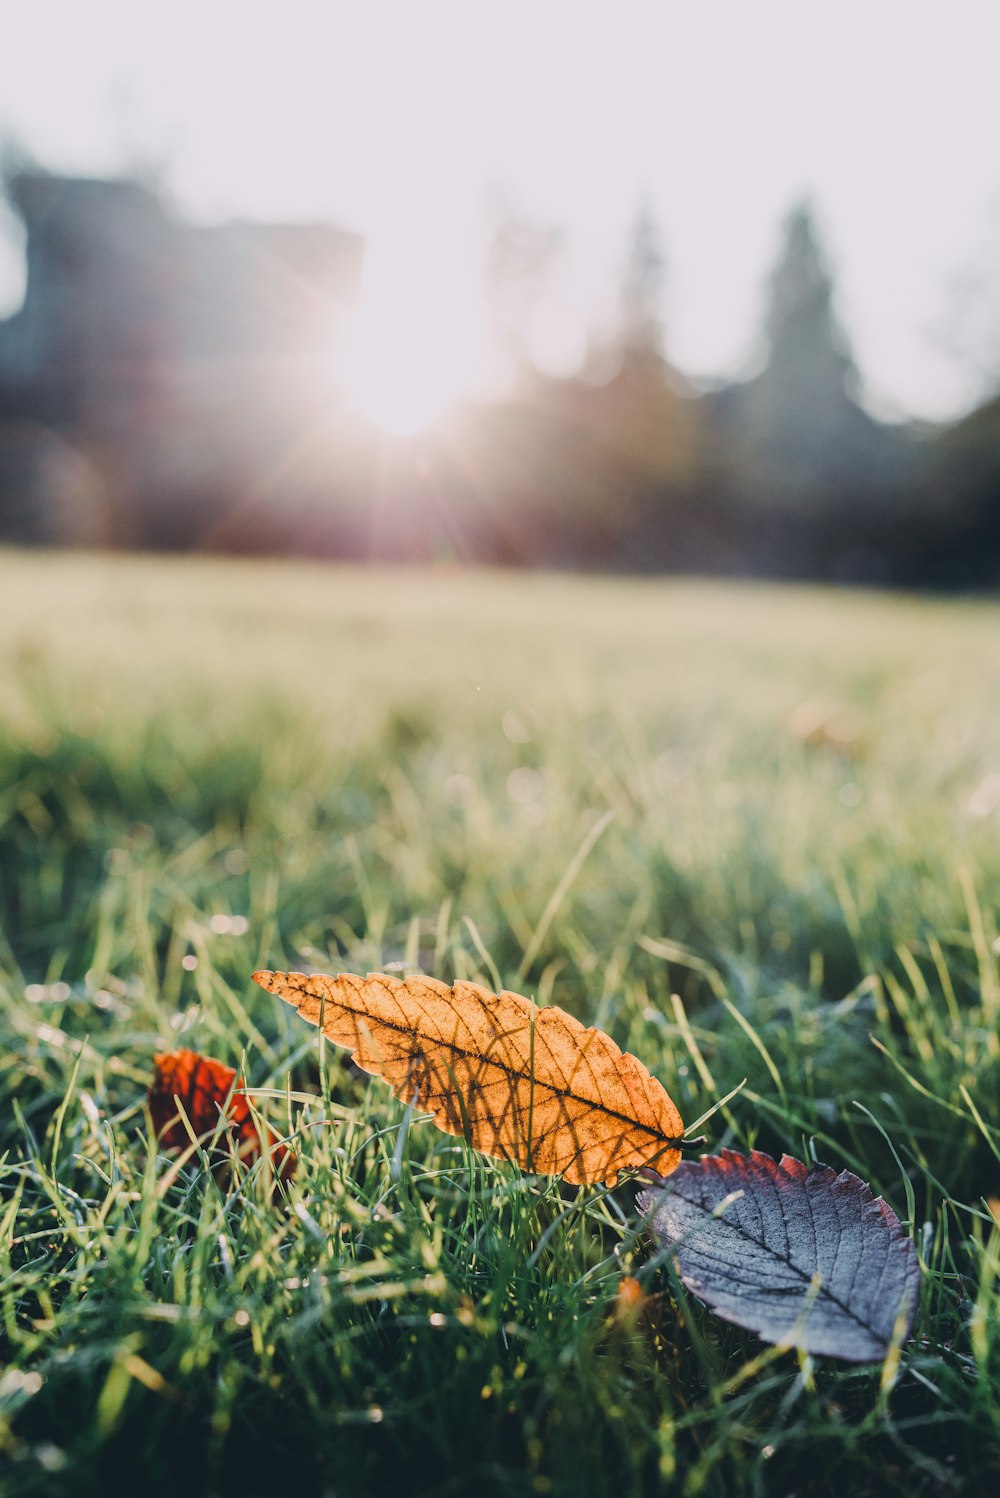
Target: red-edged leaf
{"points": [[204, 1090], [804, 1258]]}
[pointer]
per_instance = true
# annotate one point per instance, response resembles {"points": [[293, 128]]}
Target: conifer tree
{"points": [[807, 347]]}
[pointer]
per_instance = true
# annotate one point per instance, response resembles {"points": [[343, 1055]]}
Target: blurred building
{"points": [[154, 362]]}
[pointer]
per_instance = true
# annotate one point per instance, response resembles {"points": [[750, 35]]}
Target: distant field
{"points": [[206, 767]]}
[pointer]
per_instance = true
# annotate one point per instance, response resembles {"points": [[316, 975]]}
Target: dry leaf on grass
{"points": [[528, 1084], [805, 1258], [206, 1089]]}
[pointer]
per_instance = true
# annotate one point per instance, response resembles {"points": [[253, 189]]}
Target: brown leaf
{"points": [[527, 1084], [205, 1089]]}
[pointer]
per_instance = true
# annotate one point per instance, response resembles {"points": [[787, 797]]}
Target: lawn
{"points": [[780, 806]]}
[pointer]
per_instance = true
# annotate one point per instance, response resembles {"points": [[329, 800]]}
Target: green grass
{"points": [[400, 768]]}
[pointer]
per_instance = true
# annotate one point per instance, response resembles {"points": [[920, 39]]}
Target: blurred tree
{"points": [[962, 543], [809, 362], [795, 431], [642, 294], [520, 262], [968, 332], [813, 483]]}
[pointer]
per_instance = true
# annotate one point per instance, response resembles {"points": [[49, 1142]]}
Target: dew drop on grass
{"points": [[517, 728], [15, 1381], [460, 790], [524, 785], [986, 796], [49, 1457], [47, 993], [229, 925]]}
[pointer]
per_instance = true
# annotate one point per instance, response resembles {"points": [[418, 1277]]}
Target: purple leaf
{"points": [[804, 1258]]}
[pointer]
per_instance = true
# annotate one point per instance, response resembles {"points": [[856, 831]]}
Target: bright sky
{"points": [[406, 120]]}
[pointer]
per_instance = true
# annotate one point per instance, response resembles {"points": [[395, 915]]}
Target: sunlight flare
{"points": [[415, 344]]}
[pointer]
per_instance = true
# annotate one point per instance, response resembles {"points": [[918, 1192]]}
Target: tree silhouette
{"points": [[519, 264], [798, 419], [808, 360], [642, 293]]}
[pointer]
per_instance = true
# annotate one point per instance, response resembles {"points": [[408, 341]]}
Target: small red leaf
{"points": [[804, 1258], [206, 1090]]}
